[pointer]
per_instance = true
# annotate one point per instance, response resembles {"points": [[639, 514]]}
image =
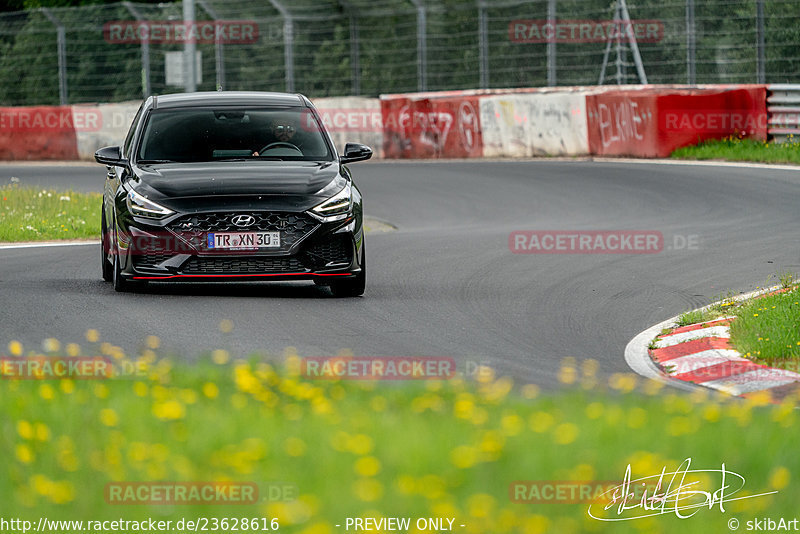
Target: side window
{"points": [[128, 146]]}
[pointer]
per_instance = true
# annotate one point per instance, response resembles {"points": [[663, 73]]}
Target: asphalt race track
{"points": [[445, 283]]}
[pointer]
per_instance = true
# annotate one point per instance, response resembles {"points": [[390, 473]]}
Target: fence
{"points": [[368, 47]]}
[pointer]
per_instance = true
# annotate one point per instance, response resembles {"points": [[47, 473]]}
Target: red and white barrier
{"points": [[639, 121]]}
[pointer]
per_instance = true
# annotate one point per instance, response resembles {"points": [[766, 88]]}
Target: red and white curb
{"points": [[700, 355]]}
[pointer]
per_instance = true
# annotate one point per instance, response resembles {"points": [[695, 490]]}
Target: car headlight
{"points": [[336, 208], [142, 207]]}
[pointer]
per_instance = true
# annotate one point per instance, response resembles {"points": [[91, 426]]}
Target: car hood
{"points": [[192, 180], [264, 185]]}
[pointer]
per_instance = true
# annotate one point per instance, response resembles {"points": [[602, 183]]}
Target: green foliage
{"points": [[387, 47], [739, 149], [353, 449], [19, 5]]}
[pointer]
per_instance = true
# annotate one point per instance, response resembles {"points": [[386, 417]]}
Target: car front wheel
{"points": [[108, 268], [352, 287], [120, 284]]}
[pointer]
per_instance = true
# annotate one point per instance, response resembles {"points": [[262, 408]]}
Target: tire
{"points": [[107, 268], [120, 284], [353, 287]]}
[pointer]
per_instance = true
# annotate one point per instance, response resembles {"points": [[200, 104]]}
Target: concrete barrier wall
{"points": [[353, 120], [113, 121], [550, 124], [639, 121]]}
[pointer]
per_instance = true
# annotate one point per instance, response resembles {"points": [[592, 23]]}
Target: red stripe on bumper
{"points": [[271, 275]]}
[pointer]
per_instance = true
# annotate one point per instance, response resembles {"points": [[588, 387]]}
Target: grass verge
{"points": [[353, 449], [34, 214], [736, 149], [767, 329]]}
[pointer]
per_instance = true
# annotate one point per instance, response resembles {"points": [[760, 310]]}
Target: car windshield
{"points": [[220, 134]]}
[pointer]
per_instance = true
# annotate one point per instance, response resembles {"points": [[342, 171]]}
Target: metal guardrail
{"points": [[783, 112]]}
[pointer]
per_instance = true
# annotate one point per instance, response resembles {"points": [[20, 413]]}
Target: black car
{"points": [[232, 186]]}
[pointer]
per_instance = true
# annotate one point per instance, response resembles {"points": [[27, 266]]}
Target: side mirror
{"points": [[110, 155], [355, 152]]}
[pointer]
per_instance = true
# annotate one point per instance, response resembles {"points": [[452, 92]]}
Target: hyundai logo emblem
{"points": [[243, 220]]}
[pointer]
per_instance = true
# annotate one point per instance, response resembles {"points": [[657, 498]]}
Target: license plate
{"points": [[244, 240]]}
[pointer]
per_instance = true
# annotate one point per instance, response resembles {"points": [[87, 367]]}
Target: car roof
{"points": [[228, 98]]}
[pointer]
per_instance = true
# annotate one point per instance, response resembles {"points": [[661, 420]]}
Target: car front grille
{"points": [[244, 265], [292, 226], [188, 238]]}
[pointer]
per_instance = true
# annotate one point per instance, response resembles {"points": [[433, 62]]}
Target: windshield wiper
{"points": [[146, 161]]}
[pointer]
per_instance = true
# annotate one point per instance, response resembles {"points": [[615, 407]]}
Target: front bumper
{"points": [[177, 249]]}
